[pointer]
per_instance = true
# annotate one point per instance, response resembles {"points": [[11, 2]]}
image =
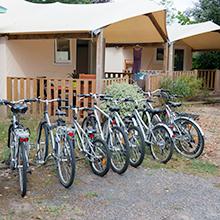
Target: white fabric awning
{"points": [[201, 36], [123, 22]]}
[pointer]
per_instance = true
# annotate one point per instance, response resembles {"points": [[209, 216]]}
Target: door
{"points": [[82, 63], [179, 60]]}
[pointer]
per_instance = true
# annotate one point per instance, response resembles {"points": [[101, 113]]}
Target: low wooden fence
{"points": [[208, 77], [48, 88]]}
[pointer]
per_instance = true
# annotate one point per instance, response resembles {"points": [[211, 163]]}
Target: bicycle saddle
{"points": [[114, 109], [155, 111], [174, 104], [60, 113], [19, 108]]}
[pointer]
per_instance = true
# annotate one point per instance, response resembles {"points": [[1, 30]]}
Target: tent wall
{"points": [[33, 58]]}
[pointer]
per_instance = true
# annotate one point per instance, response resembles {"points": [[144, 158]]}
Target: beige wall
{"points": [[115, 58], [3, 75], [36, 58]]}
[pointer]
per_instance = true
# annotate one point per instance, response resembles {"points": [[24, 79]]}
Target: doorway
{"points": [[82, 61], [179, 60]]}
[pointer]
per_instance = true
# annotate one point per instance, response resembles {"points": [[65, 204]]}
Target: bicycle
{"points": [[59, 136], [94, 149], [158, 137], [18, 141], [112, 130], [188, 135]]}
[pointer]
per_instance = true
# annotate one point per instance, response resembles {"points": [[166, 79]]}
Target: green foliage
{"points": [[206, 60], [206, 10], [123, 90], [183, 19], [186, 86]]}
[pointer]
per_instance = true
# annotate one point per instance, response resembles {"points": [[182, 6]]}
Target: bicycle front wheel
{"points": [[189, 139], [137, 146], [22, 169], [65, 159], [162, 145], [100, 165], [119, 147]]}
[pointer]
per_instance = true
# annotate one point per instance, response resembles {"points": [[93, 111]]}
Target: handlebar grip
{"points": [[30, 100], [84, 95]]}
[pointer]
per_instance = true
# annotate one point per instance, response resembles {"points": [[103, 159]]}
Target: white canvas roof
{"points": [[123, 22], [201, 36]]}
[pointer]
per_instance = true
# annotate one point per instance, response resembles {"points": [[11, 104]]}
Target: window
{"points": [[160, 54], [62, 51]]}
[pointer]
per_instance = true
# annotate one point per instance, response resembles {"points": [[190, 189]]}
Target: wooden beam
{"points": [[166, 57], [134, 44], [157, 26], [47, 36], [205, 50], [100, 61], [171, 58]]}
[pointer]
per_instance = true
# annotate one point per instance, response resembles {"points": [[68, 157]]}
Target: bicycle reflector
{"points": [[23, 140], [91, 136], [71, 134]]}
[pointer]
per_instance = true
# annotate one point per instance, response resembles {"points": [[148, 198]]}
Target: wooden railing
{"points": [[48, 88], [208, 77]]}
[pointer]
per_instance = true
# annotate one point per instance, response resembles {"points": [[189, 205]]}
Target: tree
{"points": [[183, 19], [206, 10]]}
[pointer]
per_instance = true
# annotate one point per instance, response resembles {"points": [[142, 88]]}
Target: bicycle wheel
{"points": [[189, 139], [22, 169], [89, 123], [65, 160], [42, 142], [137, 146], [11, 146], [101, 163], [119, 148], [161, 146]]}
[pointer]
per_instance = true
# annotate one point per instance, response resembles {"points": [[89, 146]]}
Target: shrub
{"points": [[186, 86], [123, 90]]}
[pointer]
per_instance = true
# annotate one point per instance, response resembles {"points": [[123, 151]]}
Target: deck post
{"points": [[217, 82], [166, 57], [100, 61], [171, 59]]}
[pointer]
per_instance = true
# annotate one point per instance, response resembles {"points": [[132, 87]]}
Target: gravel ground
{"points": [[138, 194]]}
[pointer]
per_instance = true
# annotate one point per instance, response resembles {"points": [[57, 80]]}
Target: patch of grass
{"points": [[180, 164], [54, 210], [90, 195]]}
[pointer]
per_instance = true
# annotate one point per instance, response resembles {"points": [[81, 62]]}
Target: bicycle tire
{"points": [[42, 152], [133, 149], [161, 145], [201, 142], [105, 161], [124, 151], [22, 169], [71, 160]]}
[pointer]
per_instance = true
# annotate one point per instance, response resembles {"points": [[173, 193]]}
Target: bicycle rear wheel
{"points": [[101, 163], [162, 145], [65, 160], [22, 169], [119, 147]]}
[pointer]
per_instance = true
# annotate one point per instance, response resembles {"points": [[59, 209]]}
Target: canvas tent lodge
{"points": [[49, 40], [184, 40]]}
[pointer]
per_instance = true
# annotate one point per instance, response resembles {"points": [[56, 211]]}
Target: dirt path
{"points": [[210, 123]]}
